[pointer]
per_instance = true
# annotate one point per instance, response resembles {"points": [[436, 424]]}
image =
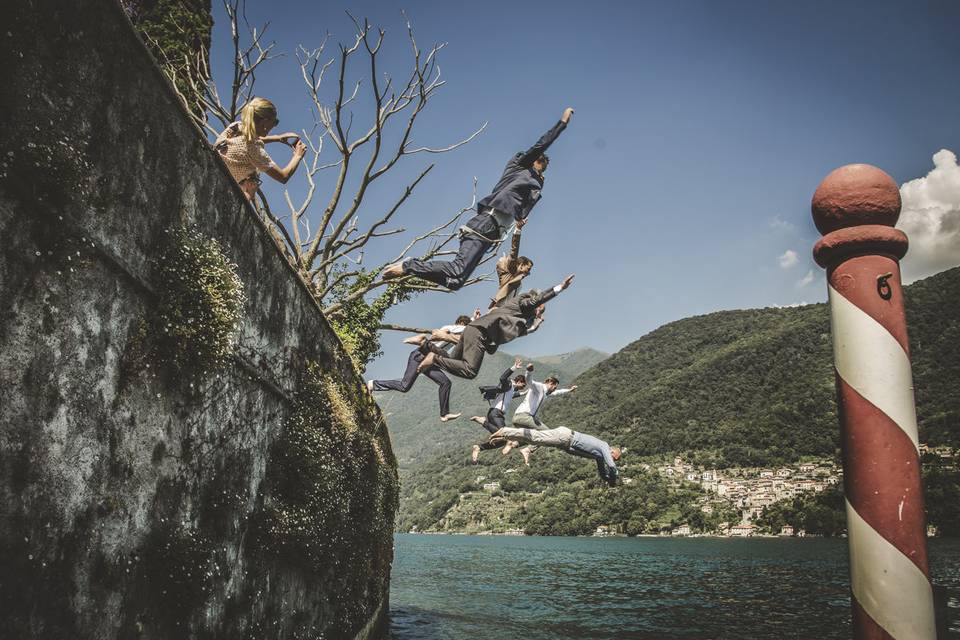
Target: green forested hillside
{"points": [[733, 388], [418, 434]]}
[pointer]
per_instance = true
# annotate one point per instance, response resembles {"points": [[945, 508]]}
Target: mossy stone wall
{"points": [[140, 499]]}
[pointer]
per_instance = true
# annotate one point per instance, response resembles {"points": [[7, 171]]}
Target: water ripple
{"points": [[486, 587]]}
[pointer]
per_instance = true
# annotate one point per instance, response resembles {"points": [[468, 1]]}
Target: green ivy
{"points": [[357, 322]]}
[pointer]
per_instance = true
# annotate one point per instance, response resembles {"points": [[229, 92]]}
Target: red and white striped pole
{"points": [[856, 208]]}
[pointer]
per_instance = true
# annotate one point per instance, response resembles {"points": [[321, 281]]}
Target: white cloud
{"points": [[779, 224], [805, 280], [788, 259], [931, 218]]}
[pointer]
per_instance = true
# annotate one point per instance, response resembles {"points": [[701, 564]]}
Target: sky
{"points": [[682, 185]]}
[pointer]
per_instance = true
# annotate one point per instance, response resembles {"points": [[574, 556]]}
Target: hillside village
{"points": [[739, 495], [749, 491]]}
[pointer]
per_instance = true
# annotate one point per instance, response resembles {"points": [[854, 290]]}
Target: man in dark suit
{"points": [[514, 318], [499, 396], [511, 201]]}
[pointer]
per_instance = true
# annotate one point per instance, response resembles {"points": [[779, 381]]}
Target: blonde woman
{"points": [[241, 145]]}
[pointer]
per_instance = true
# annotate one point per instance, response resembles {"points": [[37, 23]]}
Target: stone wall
{"points": [[138, 500]]}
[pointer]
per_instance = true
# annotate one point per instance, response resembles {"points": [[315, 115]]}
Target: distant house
{"points": [[786, 530], [708, 476], [766, 473], [481, 479], [743, 530], [678, 461], [682, 530], [784, 472], [807, 467], [723, 489], [606, 530], [492, 486], [707, 508], [692, 476], [627, 480]]}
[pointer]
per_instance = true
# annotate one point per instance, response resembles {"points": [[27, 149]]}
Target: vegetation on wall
{"points": [[177, 32], [332, 491], [200, 303], [357, 322]]}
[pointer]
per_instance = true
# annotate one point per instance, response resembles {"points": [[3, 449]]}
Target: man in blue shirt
{"points": [[514, 195], [572, 442]]}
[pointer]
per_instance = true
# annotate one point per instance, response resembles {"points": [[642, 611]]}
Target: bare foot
{"points": [[475, 454], [427, 362], [450, 416], [393, 271], [478, 419], [507, 448], [417, 339], [525, 452]]}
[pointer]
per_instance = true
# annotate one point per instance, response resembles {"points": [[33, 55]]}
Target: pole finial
{"points": [[856, 208]]}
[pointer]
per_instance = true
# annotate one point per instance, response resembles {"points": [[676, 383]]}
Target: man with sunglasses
{"points": [[511, 201]]}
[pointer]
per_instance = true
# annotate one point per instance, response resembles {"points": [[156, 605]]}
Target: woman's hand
{"points": [[299, 149], [565, 118]]}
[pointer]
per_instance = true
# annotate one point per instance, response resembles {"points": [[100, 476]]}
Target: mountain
{"points": [[415, 430], [733, 388]]}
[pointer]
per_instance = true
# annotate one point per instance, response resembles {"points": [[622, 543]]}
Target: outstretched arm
{"points": [[558, 392], [515, 242], [286, 138], [506, 375], [527, 157], [607, 473], [529, 302]]}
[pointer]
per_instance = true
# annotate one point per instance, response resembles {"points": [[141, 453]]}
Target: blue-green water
{"points": [[497, 587]]}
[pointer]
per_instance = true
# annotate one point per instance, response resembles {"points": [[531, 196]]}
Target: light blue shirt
{"points": [[587, 446]]}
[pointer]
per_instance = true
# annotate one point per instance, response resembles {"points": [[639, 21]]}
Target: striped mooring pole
{"points": [[856, 208]]}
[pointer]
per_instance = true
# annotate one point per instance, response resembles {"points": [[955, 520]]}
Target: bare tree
{"points": [[327, 244], [338, 237]]}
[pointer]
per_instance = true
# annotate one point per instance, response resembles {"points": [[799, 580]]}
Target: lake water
{"points": [[503, 587]]}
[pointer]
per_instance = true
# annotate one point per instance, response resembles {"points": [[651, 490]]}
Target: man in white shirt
{"points": [[499, 396], [526, 414], [440, 339]]}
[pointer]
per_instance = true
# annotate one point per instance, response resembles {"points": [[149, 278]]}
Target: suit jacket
{"points": [[514, 318], [490, 392], [519, 187], [507, 273]]}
